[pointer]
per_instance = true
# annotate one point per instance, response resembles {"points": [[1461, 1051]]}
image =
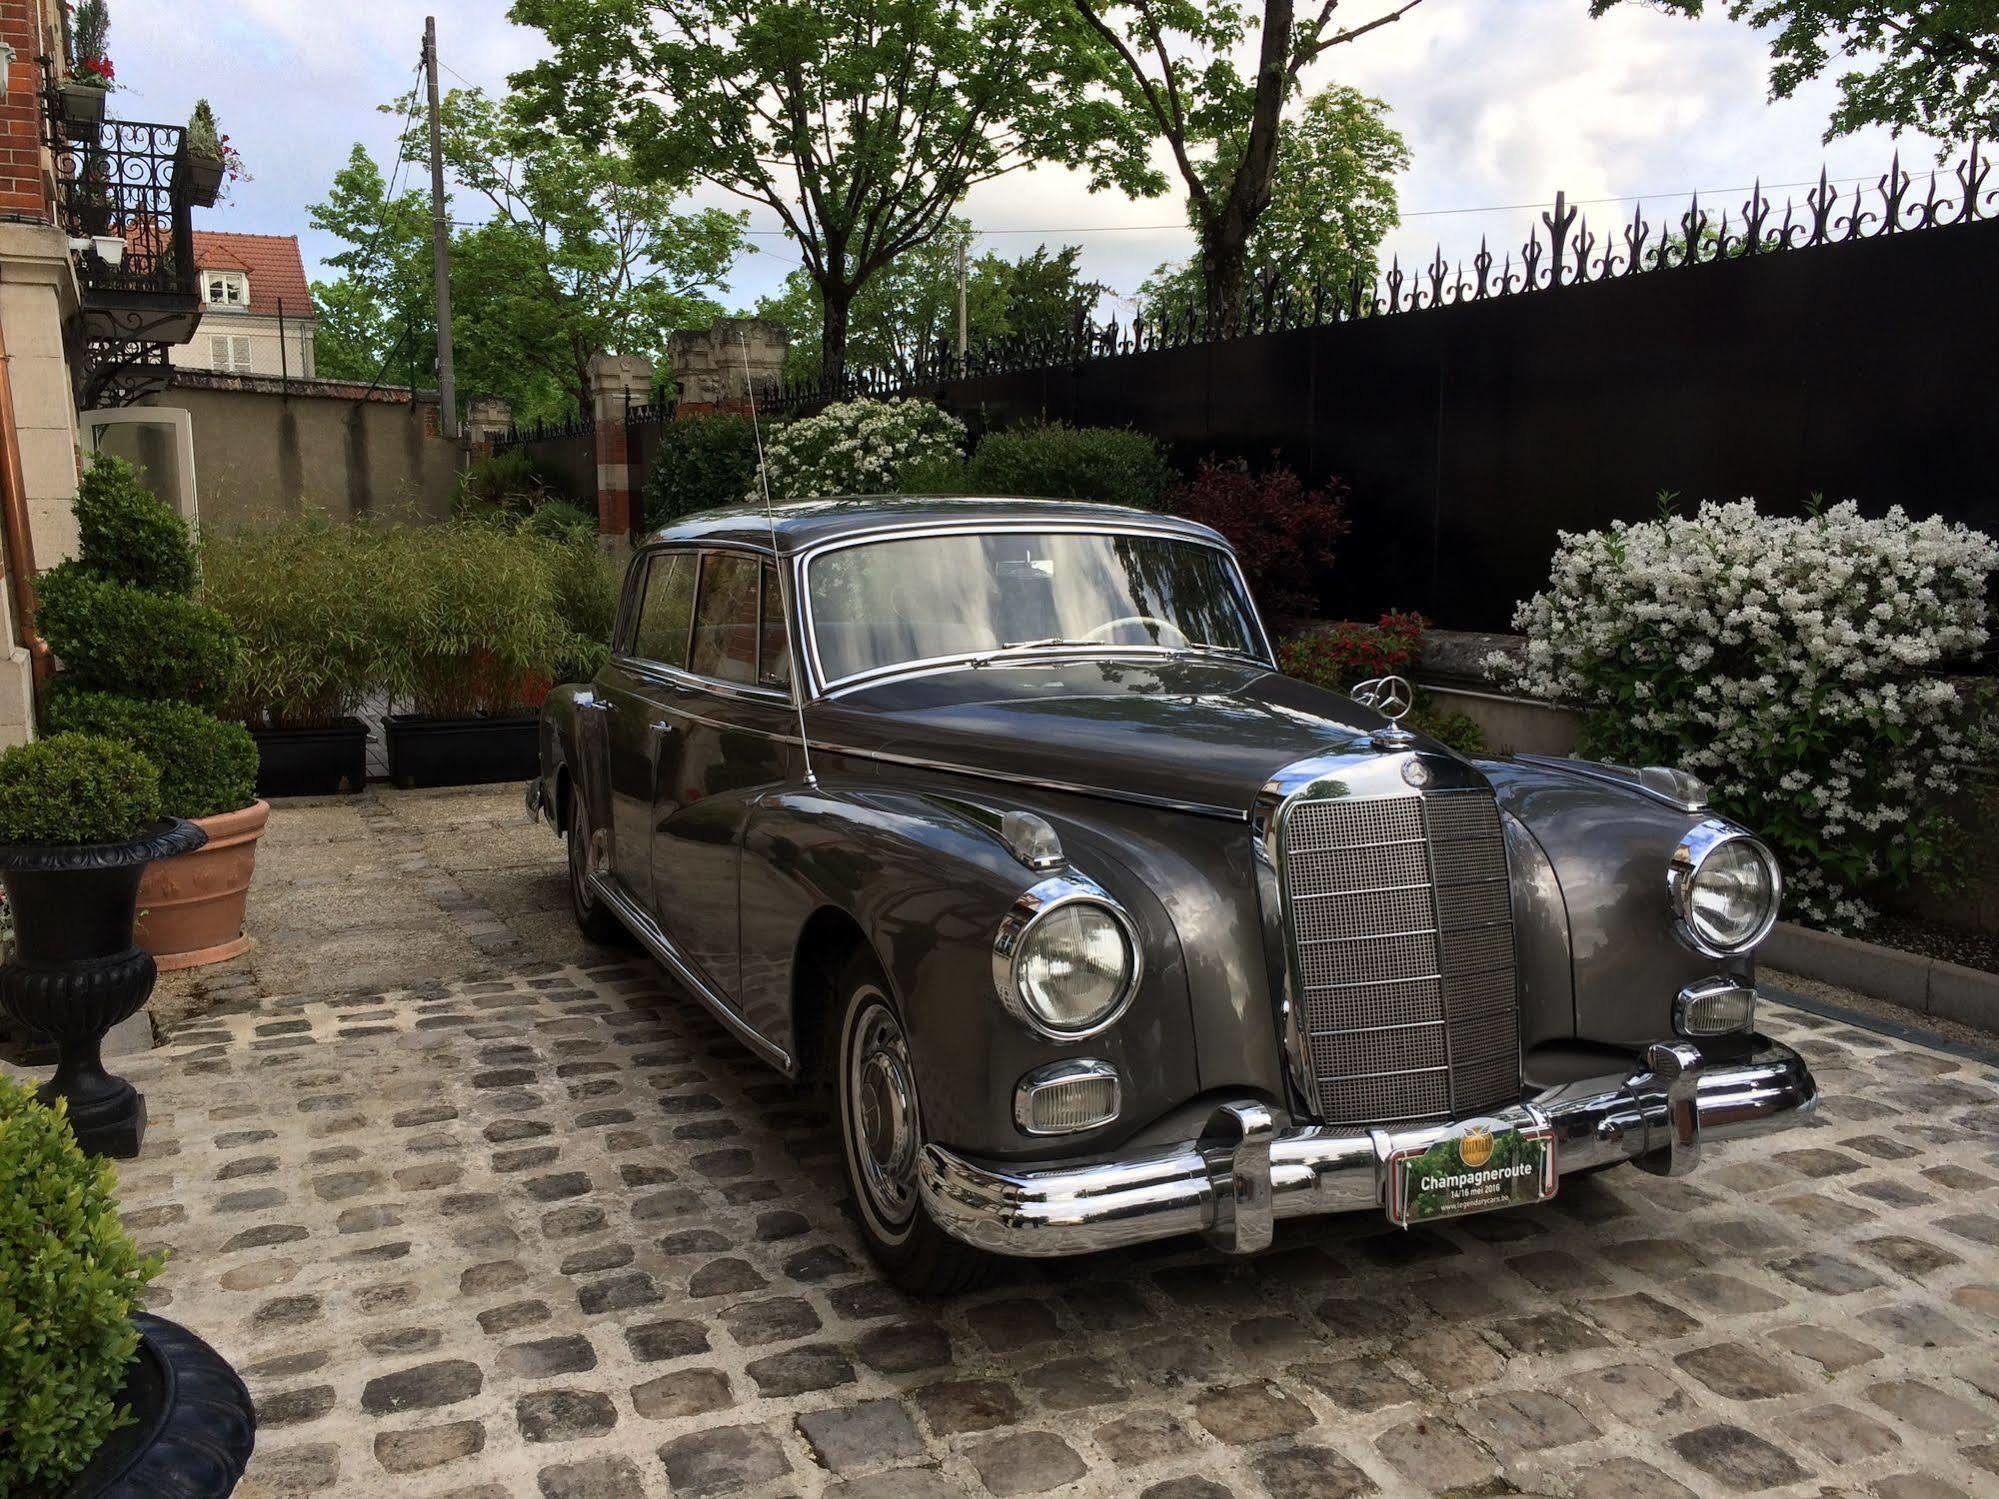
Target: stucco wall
{"points": [[261, 454]]}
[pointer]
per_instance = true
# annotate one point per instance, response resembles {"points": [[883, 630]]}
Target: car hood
{"points": [[1202, 732]]}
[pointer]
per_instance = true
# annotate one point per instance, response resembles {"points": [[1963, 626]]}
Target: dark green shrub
{"points": [[206, 766], [701, 463], [938, 473], [559, 520], [587, 583], [305, 599], [1109, 464], [1458, 731], [117, 638], [70, 1277], [72, 788], [499, 485], [127, 534]]}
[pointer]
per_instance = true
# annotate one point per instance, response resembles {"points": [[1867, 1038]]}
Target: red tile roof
{"points": [[271, 261]]}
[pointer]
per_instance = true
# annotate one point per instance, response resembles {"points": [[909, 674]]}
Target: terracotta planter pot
{"points": [[191, 907]]}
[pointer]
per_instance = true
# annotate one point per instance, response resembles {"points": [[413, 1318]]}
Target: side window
{"points": [[725, 619], [660, 632], [774, 648]]}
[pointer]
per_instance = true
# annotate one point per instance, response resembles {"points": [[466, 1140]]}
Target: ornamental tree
{"points": [[860, 124]]}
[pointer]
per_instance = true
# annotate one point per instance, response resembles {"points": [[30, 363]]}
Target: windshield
{"points": [[886, 603]]}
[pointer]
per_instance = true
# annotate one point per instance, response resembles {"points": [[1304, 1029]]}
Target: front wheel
{"points": [[593, 918], [881, 1137]]}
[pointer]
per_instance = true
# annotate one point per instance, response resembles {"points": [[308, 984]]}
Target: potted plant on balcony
{"points": [[145, 664], [204, 156], [97, 1398], [472, 636], [91, 76], [305, 599]]}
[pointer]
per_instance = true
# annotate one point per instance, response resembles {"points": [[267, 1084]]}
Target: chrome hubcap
{"points": [[881, 1113]]}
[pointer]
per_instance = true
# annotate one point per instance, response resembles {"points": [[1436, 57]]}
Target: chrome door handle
{"points": [[662, 727]]}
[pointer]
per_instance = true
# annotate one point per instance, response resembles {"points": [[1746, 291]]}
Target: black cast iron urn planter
{"points": [[192, 1426], [76, 972]]}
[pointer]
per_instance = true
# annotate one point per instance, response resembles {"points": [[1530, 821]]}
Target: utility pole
{"points": [[961, 306], [440, 241]]}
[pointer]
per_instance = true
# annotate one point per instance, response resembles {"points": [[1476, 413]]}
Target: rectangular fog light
{"points": [[1066, 1097], [1719, 1007]]}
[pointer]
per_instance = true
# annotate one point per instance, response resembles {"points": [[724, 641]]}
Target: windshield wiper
{"points": [[1208, 648], [1049, 643]]}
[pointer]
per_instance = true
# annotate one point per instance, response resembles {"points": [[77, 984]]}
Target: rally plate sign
{"points": [[1478, 1166]]}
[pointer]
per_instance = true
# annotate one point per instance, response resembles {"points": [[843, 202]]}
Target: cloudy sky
{"points": [[1502, 101]]}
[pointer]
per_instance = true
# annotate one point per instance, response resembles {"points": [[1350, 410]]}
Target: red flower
{"points": [[101, 66]]}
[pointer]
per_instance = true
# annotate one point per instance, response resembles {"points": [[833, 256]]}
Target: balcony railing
{"points": [[119, 183]]}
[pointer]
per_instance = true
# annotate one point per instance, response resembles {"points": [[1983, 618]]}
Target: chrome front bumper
{"points": [[1246, 1171]]}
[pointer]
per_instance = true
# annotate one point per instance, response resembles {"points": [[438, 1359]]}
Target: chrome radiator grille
{"points": [[1401, 931]]}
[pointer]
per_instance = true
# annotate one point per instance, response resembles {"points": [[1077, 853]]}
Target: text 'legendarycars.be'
{"points": [[997, 817]]}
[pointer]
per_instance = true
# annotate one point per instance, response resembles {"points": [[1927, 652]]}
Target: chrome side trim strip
{"points": [[660, 947]]}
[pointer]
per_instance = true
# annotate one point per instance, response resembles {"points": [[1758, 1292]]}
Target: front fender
{"points": [[927, 882]]}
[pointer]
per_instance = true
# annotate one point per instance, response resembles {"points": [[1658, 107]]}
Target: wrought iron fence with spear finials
{"points": [[1561, 250]]}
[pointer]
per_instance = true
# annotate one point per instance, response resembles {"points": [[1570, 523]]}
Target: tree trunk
{"points": [[1225, 234], [833, 333], [1224, 271]]}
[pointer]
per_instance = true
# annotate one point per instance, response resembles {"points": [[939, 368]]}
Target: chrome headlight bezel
{"points": [[1010, 943], [1683, 873]]}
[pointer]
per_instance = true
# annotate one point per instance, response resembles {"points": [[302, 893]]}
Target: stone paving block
{"points": [[723, 1460], [852, 1436], [1027, 1462]]}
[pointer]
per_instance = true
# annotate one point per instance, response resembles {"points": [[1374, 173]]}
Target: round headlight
{"points": [[1065, 960], [1726, 889]]}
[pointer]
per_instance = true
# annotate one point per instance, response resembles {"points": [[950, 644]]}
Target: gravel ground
{"points": [[1934, 940]]}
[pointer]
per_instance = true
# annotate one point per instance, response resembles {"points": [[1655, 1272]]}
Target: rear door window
{"points": [[660, 632], [725, 618]]}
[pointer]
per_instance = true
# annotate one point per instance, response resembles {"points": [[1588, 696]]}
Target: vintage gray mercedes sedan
{"points": [[997, 818]]}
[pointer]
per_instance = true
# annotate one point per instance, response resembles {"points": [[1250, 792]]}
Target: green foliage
{"points": [[1055, 461], [70, 1278], [205, 766], [127, 534], [468, 618], [117, 638], [89, 30], [1332, 203], [72, 788], [304, 597], [702, 462], [505, 484], [910, 310], [204, 136], [1926, 65], [587, 583], [859, 123], [576, 251], [938, 473], [1210, 80], [559, 520], [1458, 731]]}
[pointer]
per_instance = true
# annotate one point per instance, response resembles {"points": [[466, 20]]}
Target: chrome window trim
{"points": [[1035, 904], [680, 676], [803, 559], [1695, 848]]}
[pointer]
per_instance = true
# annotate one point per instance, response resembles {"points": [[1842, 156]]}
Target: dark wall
{"points": [[1472, 434], [569, 463]]}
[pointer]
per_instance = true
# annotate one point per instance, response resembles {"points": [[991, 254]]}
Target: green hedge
{"points": [[701, 463], [126, 534], [468, 618], [1109, 464], [73, 788], [70, 1278], [206, 766], [114, 637]]}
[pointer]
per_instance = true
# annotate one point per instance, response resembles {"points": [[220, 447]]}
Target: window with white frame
{"points": [[229, 352], [227, 288]]}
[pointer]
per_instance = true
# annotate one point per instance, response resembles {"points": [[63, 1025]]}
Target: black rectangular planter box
{"points": [[461, 751], [312, 762]]}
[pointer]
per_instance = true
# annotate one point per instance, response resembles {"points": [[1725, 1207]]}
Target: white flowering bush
{"points": [[1792, 664], [858, 447]]}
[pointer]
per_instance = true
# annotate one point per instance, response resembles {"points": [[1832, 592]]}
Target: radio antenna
{"points": [[770, 520]]}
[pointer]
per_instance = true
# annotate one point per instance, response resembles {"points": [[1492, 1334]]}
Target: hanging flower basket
{"points": [[203, 176], [82, 109]]}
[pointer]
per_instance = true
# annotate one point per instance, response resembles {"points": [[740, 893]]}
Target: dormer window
{"points": [[227, 289]]}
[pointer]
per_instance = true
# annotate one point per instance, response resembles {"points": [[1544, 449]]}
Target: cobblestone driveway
{"points": [[556, 1235]]}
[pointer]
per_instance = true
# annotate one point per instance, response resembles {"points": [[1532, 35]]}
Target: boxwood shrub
{"points": [[69, 1279], [702, 462], [73, 788], [206, 766], [1110, 464], [118, 638], [127, 534]]}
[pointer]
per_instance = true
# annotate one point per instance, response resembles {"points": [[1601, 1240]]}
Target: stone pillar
{"points": [[618, 382], [486, 418], [709, 365]]}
